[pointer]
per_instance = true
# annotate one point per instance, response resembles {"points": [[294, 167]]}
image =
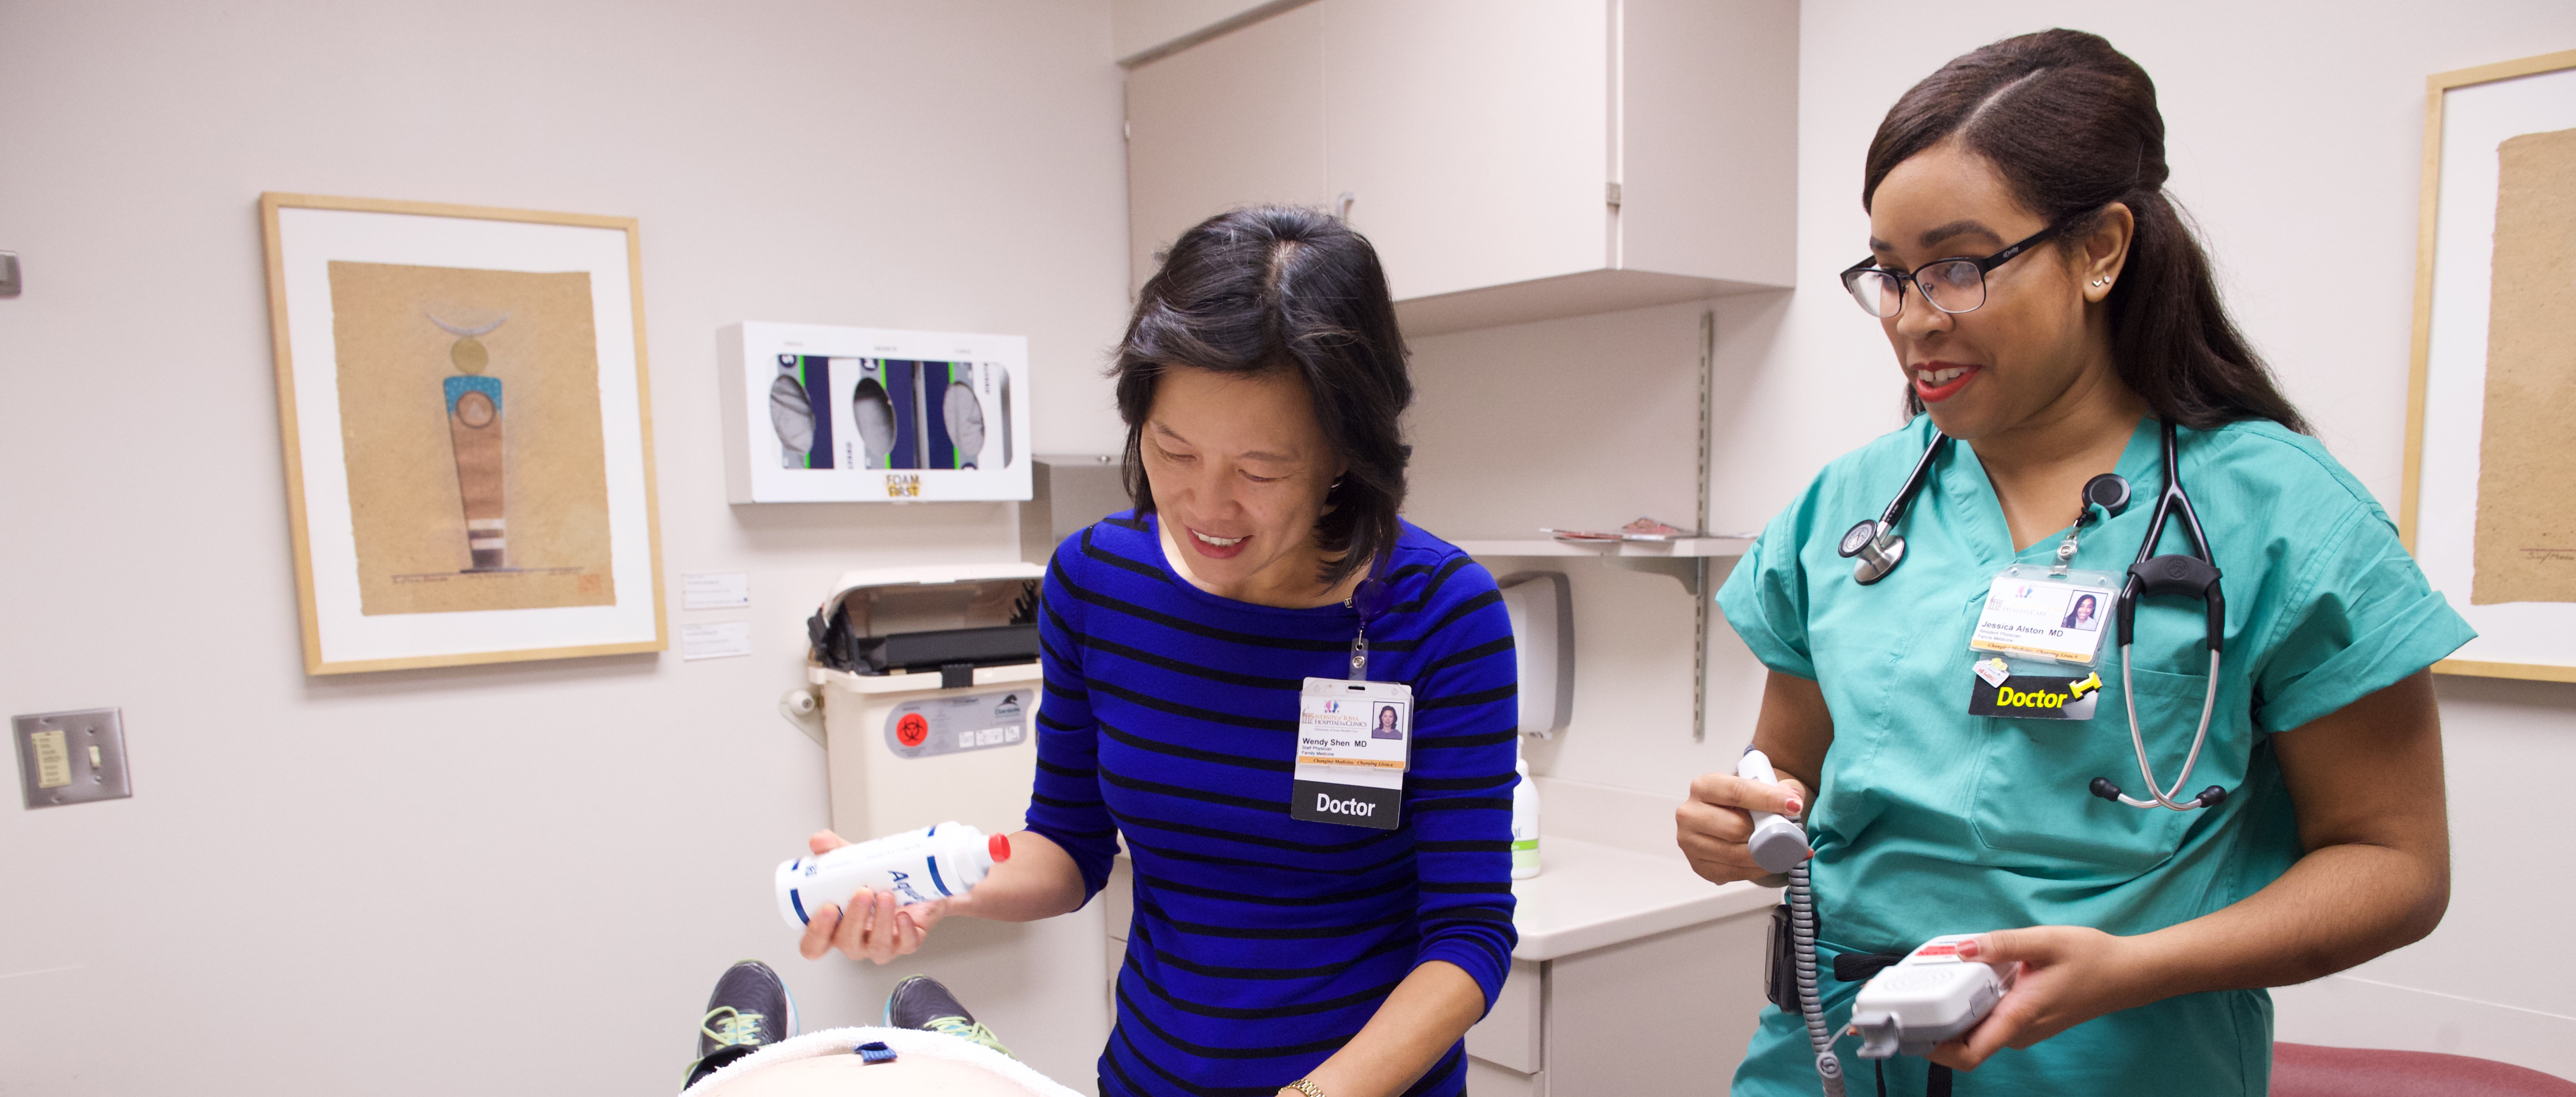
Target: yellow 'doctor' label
{"points": [[53, 762]]}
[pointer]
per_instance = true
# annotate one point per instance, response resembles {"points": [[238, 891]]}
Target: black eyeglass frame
{"points": [[1852, 274]]}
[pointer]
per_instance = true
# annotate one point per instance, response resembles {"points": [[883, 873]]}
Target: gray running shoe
{"points": [[748, 1010], [922, 1002]]}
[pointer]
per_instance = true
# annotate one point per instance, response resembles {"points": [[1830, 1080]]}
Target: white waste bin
{"points": [[930, 697]]}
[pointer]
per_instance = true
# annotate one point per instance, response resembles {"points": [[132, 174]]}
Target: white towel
{"points": [[904, 1041]]}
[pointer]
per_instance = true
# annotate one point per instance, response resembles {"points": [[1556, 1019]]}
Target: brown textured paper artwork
{"points": [[470, 424], [2526, 536]]}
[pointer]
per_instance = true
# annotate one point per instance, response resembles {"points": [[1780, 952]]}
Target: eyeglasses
{"points": [[1950, 285]]}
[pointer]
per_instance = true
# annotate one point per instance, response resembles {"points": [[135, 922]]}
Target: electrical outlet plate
{"points": [[71, 757]]}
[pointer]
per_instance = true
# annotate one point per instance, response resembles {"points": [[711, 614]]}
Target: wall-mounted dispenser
{"points": [[1541, 605], [1068, 493]]}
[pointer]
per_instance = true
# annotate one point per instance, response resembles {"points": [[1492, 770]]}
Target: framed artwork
{"points": [[468, 434], [815, 413], [2489, 507]]}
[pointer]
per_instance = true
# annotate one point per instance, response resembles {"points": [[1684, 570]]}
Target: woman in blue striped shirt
{"points": [[1261, 380]]}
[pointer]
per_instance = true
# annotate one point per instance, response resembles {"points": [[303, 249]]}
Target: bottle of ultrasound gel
{"points": [[918, 866]]}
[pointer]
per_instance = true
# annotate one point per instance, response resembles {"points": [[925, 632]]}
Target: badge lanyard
{"points": [[1354, 736]]}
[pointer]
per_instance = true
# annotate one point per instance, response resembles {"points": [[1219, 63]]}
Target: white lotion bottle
{"points": [[917, 866], [1524, 823]]}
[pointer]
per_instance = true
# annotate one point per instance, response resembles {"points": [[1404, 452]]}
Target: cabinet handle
{"points": [[1342, 210]]}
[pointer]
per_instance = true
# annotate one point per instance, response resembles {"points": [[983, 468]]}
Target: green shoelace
{"points": [[967, 1030], [730, 1027]]}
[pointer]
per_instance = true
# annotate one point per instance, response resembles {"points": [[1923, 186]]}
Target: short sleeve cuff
{"points": [[2415, 638], [1754, 612]]}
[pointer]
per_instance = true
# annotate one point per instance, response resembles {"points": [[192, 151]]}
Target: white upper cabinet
{"points": [[1235, 121], [1512, 160], [1471, 136]]}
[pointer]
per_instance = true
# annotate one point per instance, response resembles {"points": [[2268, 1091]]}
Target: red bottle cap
{"points": [[999, 846]]}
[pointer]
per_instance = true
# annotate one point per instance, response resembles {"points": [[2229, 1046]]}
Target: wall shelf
{"points": [[1684, 560]]}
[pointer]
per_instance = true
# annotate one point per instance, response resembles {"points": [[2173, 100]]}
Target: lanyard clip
{"points": [[1359, 655]]}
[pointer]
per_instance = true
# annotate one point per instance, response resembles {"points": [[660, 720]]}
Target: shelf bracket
{"points": [[1686, 570]]}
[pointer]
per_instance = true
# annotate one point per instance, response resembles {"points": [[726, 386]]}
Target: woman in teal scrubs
{"points": [[2145, 936]]}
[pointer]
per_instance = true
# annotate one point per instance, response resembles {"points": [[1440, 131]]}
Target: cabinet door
{"points": [[1472, 136], [1233, 121]]}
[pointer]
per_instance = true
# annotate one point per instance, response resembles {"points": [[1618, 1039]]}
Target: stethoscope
{"points": [[1875, 548]]}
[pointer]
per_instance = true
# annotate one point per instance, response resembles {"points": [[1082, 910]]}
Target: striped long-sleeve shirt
{"points": [[1261, 943]]}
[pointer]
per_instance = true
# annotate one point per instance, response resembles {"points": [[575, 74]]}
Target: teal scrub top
{"points": [[1931, 821]]}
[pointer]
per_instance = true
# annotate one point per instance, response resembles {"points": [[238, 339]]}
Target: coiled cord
{"points": [[1802, 933]]}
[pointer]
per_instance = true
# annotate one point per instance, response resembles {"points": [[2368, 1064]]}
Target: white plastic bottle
{"points": [[918, 866], [1524, 823]]}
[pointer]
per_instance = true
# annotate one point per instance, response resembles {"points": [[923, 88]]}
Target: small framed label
{"points": [[715, 590]]}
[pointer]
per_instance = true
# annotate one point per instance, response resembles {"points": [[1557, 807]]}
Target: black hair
{"points": [[1285, 289], [2072, 126]]}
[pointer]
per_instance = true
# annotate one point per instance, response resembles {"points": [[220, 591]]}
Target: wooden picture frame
{"points": [[467, 428], [2466, 437]]}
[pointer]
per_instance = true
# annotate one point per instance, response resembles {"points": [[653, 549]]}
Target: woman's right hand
{"points": [[1714, 823], [873, 926]]}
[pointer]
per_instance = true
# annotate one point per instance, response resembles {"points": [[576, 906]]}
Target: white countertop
{"points": [[1588, 895]]}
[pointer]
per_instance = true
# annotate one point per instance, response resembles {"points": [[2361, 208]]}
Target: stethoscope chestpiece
{"points": [[1874, 550]]}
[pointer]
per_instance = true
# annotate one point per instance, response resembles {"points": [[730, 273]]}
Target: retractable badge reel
{"points": [[1354, 736]]}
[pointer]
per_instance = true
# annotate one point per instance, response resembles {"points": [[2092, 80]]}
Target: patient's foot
{"points": [[748, 1010], [921, 1002]]}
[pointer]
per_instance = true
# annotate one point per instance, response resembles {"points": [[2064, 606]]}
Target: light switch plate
{"points": [[71, 757]]}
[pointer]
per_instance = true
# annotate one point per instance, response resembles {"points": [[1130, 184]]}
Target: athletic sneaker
{"points": [[921, 1002], [748, 1010]]}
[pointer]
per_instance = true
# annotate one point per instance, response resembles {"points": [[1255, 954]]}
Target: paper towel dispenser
{"points": [[1541, 605]]}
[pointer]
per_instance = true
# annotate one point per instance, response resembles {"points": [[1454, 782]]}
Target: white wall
{"points": [[2295, 132], [520, 877]]}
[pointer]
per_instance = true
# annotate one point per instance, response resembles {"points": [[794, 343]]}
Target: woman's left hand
{"points": [[2069, 975]]}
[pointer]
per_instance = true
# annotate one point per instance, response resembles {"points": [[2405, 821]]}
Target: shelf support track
{"points": [[1698, 582]]}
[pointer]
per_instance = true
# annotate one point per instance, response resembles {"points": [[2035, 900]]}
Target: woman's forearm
{"points": [[2366, 783], [2337, 907], [1430, 1010], [1039, 881]]}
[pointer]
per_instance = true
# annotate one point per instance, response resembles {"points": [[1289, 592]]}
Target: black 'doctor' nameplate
{"points": [[2032, 697], [1349, 805]]}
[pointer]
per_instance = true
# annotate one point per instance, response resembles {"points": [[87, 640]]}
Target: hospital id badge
{"points": [[2043, 615], [1354, 742]]}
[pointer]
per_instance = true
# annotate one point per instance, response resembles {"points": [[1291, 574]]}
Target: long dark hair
{"points": [[2072, 126], [1281, 288]]}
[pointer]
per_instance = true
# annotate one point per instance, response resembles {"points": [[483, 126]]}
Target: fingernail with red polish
{"points": [[1795, 806], [1969, 949]]}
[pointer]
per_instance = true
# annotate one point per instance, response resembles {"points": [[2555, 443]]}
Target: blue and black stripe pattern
{"points": [[1260, 943]]}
